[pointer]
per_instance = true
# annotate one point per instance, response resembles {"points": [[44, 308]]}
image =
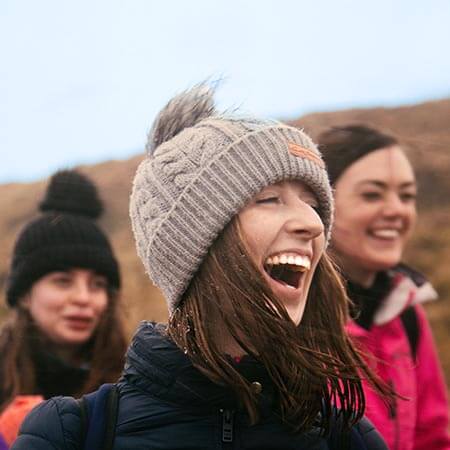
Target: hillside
{"points": [[423, 129]]}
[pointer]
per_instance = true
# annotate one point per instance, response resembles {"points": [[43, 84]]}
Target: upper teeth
{"points": [[303, 262], [386, 233]]}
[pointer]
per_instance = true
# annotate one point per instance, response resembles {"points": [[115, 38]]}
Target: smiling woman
{"points": [[375, 199], [65, 334]]}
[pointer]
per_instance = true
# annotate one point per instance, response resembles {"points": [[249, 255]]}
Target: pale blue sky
{"points": [[81, 81]]}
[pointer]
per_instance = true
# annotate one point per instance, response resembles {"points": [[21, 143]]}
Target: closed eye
{"points": [[371, 196], [62, 280], [99, 283], [271, 199], [408, 197]]}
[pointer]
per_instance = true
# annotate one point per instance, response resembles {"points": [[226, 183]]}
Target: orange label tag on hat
{"points": [[302, 152]]}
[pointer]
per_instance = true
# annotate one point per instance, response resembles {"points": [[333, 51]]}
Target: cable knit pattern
{"points": [[189, 188]]}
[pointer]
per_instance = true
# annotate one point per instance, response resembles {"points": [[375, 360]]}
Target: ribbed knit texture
{"points": [[187, 191], [61, 240]]}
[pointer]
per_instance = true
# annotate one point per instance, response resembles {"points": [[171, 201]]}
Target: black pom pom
{"points": [[72, 192]]}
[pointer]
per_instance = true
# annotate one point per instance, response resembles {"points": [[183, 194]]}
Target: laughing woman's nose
{"points": [[304, 222]]}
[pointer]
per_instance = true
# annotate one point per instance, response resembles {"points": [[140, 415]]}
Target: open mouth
{"points": [[287, 270], [387, 233], [79, 323]]}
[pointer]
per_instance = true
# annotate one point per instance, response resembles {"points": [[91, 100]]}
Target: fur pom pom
{"points": [[183, 111], [71, 192]]}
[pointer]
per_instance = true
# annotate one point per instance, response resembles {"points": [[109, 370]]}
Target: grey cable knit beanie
{"points": [[202, 168]]}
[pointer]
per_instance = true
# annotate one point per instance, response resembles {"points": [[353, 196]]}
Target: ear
{"points": [[24, 301]]}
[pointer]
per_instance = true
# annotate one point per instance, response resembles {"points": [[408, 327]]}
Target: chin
{"points": [[297, 316], [386, 263], [76, 338]]}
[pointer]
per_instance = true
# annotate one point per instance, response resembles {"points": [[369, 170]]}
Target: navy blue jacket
{"points": [[167, 404]]}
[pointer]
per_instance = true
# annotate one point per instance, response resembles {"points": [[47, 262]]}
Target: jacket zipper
{"points": [[393, 415], [227, 428]]}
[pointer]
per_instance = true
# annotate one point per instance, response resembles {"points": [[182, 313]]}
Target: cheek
{"points": [[252, 231], [353, 213], [412, 216], [319, 248], [354, 220], [100, 302], [252, 245], [348, 235], [44, 308], [248, 224], [45, 314], [348, 227]]}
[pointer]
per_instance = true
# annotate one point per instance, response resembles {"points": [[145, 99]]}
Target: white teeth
{"points": [[306, 263], [386, 233], [301, 261]]}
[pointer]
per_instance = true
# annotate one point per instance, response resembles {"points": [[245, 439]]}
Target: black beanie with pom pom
{"points": [[65, 236]]}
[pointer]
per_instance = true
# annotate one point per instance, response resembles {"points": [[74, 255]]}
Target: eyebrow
{"points": [[383, 185]]}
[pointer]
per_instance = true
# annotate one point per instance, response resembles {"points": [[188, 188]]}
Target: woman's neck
{"points": [[355, 272], [72, 355]]}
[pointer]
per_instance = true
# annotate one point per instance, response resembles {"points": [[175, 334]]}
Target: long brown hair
{"points": [[314, 366], [19, 337]]}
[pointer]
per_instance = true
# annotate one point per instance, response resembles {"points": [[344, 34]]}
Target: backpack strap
{"points": [[411, 325], [98, 412]]}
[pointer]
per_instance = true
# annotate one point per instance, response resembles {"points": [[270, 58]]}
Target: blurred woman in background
{"points": [[375, 212], [65, 334]]}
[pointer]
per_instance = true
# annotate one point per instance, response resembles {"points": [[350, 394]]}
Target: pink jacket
{"points": [[420, 421]]}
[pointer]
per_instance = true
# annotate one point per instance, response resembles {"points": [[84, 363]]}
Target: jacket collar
{"points": [[385, 301], [409, 288], [156, 365]]}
